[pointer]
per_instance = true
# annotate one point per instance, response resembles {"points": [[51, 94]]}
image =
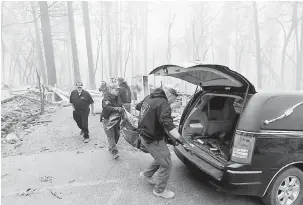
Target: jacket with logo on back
{"points": [[155, 116]]}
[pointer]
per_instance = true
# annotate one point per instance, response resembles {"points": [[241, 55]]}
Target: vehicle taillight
{"points": [[243, 147]]}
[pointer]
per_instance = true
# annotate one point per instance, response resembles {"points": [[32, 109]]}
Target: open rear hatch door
{"points": [[208, 76]]}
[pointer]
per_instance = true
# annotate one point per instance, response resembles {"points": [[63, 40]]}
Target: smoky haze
{"points": [[93, 41]]}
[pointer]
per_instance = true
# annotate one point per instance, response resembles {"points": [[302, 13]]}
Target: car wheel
{"points": [[286, 188]]}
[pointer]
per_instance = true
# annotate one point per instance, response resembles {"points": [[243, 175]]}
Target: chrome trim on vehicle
{"points": [[244, 172], [273, 132], [299, 162], [247, 183]]}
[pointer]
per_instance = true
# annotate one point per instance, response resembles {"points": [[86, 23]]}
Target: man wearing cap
{"points": [[111, 104], [80, 100], [103, 87], [124, 94], [154, 119]]}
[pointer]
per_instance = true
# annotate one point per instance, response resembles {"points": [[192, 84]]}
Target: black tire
{"points": [[270, 197]]}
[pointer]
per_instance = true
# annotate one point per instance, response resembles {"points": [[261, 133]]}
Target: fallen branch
{"points": [[8, 99], [42, 121], [54, 194], [33, 99]]}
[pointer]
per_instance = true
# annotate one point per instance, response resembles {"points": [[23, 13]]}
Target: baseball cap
{"points": [[120, 79], [79, 84]]}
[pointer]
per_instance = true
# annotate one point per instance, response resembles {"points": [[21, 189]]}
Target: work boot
{"points": [[167, 194], [150, 180], [115, 154], [86, 140]]}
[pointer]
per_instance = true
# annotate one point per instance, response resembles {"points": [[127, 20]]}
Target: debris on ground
{"points": [[12, 138], [18, 145], [46, 179], [28, 192], [43, 149], [22, 107], [4, 175], [55, 194]]}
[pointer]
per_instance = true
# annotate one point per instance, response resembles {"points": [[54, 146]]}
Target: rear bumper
{"points": [[228, 180]]}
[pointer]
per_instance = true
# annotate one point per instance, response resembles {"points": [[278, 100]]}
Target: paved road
{"points": [[93, 177]]}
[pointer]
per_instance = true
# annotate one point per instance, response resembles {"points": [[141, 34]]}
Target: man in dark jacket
{"points": [[154, 119], [80, 100], [103, 87], [125, 94], [111, 104]]}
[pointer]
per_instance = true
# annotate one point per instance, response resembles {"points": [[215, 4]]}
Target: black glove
{"points": [[174, 141]]}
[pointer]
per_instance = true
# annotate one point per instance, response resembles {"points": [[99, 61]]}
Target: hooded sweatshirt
{"points": [[155, 116], [125, 93]]}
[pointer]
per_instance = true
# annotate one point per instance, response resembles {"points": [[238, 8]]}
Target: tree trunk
{"points": [[48, 44], [41, 90], [129, 42], [299, 77], [77, 76], [145, 41], [133, 37], [137, 15], [236, 47], [258, 47], [287, 39], [10, 68], [69, 67], [102, 67], [92, 83], [108, 6], [117, 42], [2, 47], [169, 43], [14, 69], [120, 40], [39, 46]]}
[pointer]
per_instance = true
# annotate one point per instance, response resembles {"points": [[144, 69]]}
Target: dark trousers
{"points": [[82, 122], [162, 163], [113, 135]]}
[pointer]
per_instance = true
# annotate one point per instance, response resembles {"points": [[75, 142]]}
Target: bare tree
{"points": [[169, 43], [39, 46], [108, 7], [287, 37], [102, 60], [129, 42], [116, 70], [299, 76], [92, 84], [120, 39], [48, 43], [145, 39], [3, 50], [77, 76], [258, 47]]}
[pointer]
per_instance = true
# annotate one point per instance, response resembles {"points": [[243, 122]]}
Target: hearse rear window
{"points": [[275, 109]]}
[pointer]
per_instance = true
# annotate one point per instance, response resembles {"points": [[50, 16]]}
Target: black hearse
{"points": [[250, 143]]}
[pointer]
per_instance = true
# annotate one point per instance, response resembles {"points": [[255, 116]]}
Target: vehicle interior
{"points": [[211, 123]]}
